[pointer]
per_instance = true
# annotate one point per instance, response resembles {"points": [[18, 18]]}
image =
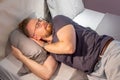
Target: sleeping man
{"points": [[71, 44]]}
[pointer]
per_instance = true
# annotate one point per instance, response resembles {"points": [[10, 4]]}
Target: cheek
{"points": [[39, 34]]}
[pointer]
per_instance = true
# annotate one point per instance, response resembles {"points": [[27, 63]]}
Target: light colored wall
{"points": [[111, 6]]}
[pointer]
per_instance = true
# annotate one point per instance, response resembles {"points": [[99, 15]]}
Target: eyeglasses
{"points": [[37, 25]]}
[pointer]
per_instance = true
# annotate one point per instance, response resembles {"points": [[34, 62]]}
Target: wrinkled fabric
{"points": [[6, 75], [108, 68]]}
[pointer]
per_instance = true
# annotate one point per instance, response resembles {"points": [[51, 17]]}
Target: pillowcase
{"points": [[69, 8], [28, 47]]}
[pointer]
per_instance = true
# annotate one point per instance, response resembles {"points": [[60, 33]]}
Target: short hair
{"points": [[22, 26]]}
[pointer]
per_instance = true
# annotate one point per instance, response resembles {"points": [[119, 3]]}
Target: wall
{"points": [[111, 6]]}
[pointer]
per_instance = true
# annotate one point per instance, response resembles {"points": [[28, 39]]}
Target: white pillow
{"points": [[89, 18], [69, 8], [14, 11], [6, 75]]}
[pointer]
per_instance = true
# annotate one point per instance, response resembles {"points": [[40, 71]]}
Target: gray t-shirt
{"points": [[88, 45]]}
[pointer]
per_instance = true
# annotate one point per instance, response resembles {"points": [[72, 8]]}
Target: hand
{"points": [[16, 52]]}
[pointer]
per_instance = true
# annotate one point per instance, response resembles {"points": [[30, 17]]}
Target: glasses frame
{"points": [[37, 24]]}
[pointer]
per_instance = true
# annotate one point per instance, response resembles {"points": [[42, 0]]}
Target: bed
{"points": [[14, 11]]}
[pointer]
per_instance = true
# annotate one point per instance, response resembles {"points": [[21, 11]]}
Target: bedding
{"points": [[89, 18], [28, 47], [71, 73], [69, 8], [14, 11], [110, 25], [5, 75]]}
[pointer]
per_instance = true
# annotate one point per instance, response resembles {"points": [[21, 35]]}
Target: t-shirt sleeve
{"points": [[59, 21]]}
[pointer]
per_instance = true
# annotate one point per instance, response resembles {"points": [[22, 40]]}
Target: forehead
{"points": [[32, 21], [31, 25]]}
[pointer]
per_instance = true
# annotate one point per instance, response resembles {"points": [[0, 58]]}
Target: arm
{"points": [[44, 71], [66, 43]]}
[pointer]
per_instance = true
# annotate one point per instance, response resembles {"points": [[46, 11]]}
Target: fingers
{"points": [[16, 52]]}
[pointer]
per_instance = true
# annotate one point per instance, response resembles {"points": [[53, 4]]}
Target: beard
{"points": [[49, 30]]}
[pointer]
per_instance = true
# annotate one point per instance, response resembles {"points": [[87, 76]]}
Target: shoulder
{"points": [[61, 20], [61, 17]]}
